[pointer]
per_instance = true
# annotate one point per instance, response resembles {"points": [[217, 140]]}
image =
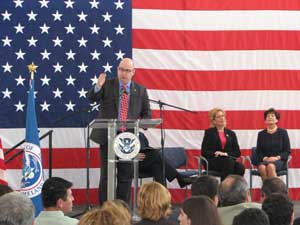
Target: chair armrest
{"points": [[248, 158]]}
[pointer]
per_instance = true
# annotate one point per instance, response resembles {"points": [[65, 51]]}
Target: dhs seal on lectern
{"points": [[126, 145]]}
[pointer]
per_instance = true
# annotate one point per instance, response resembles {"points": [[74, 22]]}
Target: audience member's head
{"points": [[233, 190], [273, 185], [57, 194], [279, 208], [4, 189], [199, 210], [251, 216], [111, 213], [154, 201], [206, 185], [16, 209]]}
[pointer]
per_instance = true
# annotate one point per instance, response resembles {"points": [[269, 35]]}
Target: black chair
{"points": [[254, 161], [203, 167], [176, 157]]}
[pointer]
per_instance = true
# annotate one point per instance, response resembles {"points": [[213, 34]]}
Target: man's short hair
{"points": [[251, 216], [16, 209], [54, 188], [273, 185], [233, 190], [205, 185], [279, 208]]}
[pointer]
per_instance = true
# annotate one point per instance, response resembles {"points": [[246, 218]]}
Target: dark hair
{"points": [[273, 185], [201, 210], [205, 185], [54, 188], [233, 190], [4, 189], [251, 216], [279, 208], [272, 111]]}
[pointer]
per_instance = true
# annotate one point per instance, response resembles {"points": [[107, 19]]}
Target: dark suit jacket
{"points": [[212, 143], [108, 97]]}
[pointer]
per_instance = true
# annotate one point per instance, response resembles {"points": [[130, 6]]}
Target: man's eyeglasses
{"points": [[121, 69]]}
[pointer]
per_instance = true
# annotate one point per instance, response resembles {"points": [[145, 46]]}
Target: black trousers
{"points": [[226, 166], [124, 178], [152, 165]]}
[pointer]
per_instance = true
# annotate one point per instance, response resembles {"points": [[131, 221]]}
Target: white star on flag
{"points": [[70, 106], [82, 16], [107, 42], [19, 28], [82, 67], [6, 15], [57, 67], [18, 3], [19, 106], [95, 55], [57, 93], [6, 93], [94, 4], [20, 54], [70, 80], [82, 93], [57, 41], [45, 80], [94, 29], [45, 54], [32, 16], [6, 41], [70, 29], [107, 17], [44, 3], [119, 4], [107, 67], [20, 80], [45, 106], [70, 55], [57, 16], [69, 4], [44, 28], [7, 67], [32, 41]]}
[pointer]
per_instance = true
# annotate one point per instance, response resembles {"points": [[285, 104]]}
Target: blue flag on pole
{"points": [[32, 173]]}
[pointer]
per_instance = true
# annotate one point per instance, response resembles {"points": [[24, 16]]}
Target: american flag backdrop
{"points": [[240, 55]]}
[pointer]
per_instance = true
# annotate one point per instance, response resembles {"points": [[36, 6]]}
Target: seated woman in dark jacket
{"points": [[273, 146], [220, 146]]}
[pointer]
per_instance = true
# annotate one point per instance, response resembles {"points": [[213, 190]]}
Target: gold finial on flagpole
{"points": [[32, 70]]}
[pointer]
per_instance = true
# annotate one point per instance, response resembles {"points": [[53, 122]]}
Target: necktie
{"points": [[124, 107]]}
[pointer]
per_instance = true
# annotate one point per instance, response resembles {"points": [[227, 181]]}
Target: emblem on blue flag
{"points": [[32, 172]]}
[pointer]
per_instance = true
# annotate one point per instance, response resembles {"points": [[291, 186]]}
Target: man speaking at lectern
{"points": [[119, 98]]}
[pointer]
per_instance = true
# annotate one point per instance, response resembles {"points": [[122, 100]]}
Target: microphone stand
{"points": [[162, 139]]}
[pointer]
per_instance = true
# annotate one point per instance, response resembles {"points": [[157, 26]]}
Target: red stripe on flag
{"points": [[250, 119], [215, 40], [218, 5], [218, 80], [70, 153]]}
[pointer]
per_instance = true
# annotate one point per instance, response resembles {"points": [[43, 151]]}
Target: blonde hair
{"points": [[212, 115], [154, 201], [111, 213]]}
